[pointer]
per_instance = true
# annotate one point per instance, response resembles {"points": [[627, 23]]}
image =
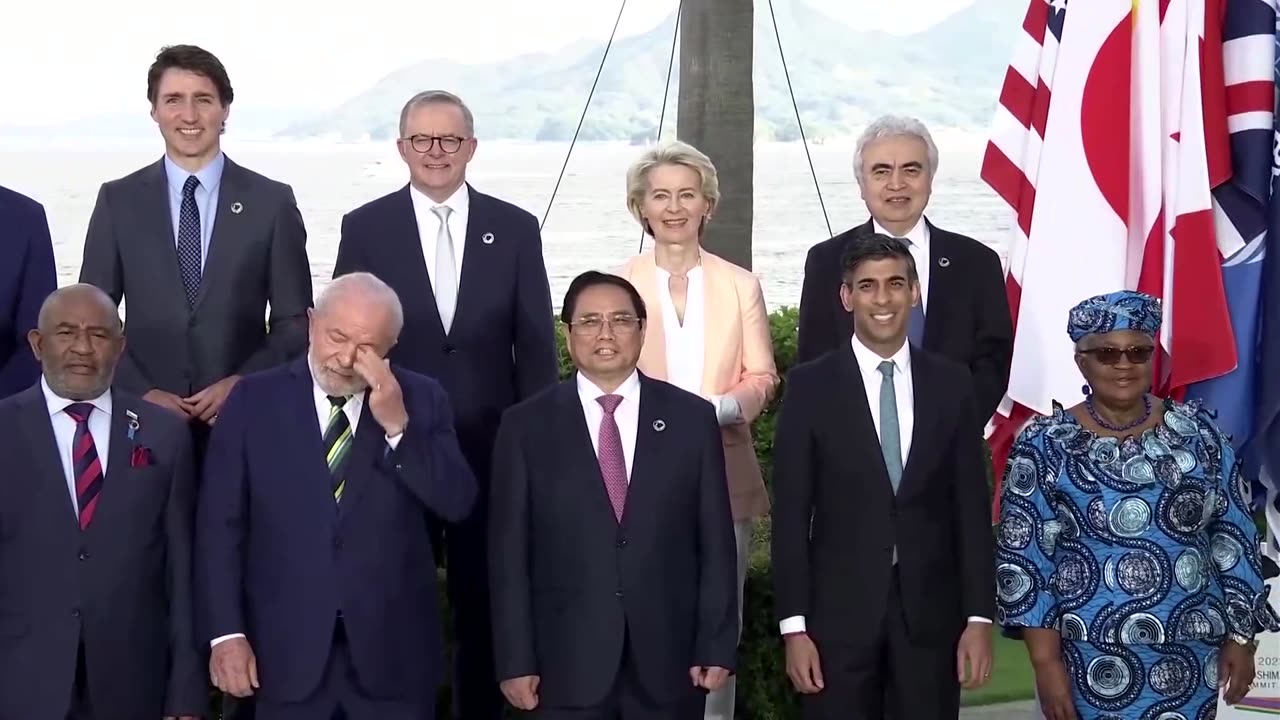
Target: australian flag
{"points": [[1247, 221]]}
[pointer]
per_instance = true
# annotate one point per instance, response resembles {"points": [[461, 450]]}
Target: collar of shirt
{"points": [[352, 408], [459, 202], [918, 243], [917, 236], [589, 391], [57, 404], [210, 175], [869, 361]]}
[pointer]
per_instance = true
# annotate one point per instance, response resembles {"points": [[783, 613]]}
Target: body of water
{"points": [[588, 226]]}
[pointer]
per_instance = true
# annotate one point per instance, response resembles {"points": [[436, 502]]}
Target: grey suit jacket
{"points": [[257, 257]]}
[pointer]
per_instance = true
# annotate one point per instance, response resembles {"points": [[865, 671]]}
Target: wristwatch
{"points": [[1251, 644]]}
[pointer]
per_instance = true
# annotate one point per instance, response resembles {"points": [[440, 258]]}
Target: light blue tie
{"points": [[890, 442]]}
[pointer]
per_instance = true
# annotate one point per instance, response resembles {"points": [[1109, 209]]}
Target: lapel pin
{"points": [[944, 262], [237, 208], [659, 425], [487, 238], [133, 422]]}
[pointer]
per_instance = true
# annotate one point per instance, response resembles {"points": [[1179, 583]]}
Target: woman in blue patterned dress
{"points": [[1126, 554]]}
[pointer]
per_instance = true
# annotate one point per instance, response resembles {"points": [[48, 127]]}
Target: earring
{"points": [[1086, 390]]}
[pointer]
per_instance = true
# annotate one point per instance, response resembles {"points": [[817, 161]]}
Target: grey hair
{"points": [[367, 285], [443, 97], [894, 126], [672, 152]]}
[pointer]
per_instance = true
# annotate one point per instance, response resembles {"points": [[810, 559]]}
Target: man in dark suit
{"points": [[198, 247], [611, 553], [882, 550], [962, 313], [313, 557], [96, 505], [27, 276], [469, 269]]}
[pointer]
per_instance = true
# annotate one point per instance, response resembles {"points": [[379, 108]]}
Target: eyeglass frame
{"points": [[618, 324], [1131, 353], [434, 140]]}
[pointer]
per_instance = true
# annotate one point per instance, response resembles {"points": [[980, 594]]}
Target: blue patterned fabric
{"points": [[1115, 543], [1123, 310], [1159, 682]]}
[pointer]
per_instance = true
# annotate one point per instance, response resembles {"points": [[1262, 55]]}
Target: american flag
{"points": [[1110, 132]]}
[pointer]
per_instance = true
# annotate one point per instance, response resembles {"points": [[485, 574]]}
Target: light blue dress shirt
{"points": [[206, 197]]}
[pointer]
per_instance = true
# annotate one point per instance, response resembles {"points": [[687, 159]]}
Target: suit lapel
{"points": [[304, 424], [580, 458], [941, 278], [475, 255], [649, 455], [925, 418], [37, 427], [367, 447], [119, 486], [720, 310], [653, 354], [404, 229], [229, 227], [157, 219], [858, 416]]}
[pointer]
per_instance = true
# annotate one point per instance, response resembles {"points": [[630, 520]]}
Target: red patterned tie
{"points": [[85, 463], [613, 465]]}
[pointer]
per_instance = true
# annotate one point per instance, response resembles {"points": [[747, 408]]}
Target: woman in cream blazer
{"points": [[708, 330]]}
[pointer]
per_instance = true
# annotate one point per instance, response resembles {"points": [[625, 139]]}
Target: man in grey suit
{"points": [[198, 247]]}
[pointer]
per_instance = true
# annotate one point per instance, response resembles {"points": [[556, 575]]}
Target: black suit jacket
{"points": [[569, 582], [836, 519], [501, 347], [123, 586], [27, 276], [967, 318], [257, 257], [277, 558]]}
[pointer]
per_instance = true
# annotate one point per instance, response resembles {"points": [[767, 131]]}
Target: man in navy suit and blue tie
{"points": [[313, 558], [477, 316], [27, 276], [96, 505]]}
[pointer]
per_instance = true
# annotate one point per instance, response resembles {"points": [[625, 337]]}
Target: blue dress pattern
{"points": [[1140, 552]]}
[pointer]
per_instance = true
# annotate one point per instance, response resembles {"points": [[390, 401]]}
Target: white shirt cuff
{"points": [[392, 442], [225, 638], [975, 618], [728, 411], [792, 625]]}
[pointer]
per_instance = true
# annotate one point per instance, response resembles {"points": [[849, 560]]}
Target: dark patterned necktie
{"points": [[85, 465], [337, 445], [613, 464], [189, 240], [915, 324]]}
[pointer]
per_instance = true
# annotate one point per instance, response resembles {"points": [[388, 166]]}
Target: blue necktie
{"points": [[890, 442], [189, 240], [915, 329]]}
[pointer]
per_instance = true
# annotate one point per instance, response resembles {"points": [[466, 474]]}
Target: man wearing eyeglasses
{"points": [[469, 271], [612, 553]]}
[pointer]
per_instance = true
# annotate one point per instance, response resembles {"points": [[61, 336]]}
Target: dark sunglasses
{"points": [[1111, 355]]}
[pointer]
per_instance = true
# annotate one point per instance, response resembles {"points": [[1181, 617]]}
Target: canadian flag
{"points": [[1101, 148]]}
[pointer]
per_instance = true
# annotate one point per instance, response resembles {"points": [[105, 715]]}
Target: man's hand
{"points": [[709, 678], [386, 402], [803, 666], [1235, 671], [206, 403], [169, 401], [521, 692], [233, 668], [973, 655]]}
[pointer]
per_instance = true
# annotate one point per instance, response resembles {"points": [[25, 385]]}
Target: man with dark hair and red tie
{"points": [[96, 513], [611, 550]]}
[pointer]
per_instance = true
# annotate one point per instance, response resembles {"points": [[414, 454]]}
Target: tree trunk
{"points": [[716, 112]]}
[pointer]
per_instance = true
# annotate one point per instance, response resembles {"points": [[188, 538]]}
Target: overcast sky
{"points": [[80, 58]]}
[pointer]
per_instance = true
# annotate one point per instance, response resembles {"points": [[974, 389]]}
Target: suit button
{"points": [[622, 543], [449, 349], [618, 594], [84, 555], [75, 612]]}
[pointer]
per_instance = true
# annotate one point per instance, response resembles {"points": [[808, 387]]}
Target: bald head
{"points": [[78, 341]]}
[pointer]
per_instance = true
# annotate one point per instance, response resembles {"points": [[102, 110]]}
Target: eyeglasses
{"points": [[618, 324], [1111, 355], [423, 143]]}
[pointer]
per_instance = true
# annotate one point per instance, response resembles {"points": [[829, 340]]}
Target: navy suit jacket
{"points": [[277, 559], [27, 276], [501, 347], [570, 583], [122, 586]]}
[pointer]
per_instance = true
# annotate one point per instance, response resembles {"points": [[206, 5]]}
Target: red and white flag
{"points": [[1099, 147]]}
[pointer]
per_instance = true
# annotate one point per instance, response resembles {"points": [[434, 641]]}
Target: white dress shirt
{"points": [[869, 367], [352, 409], [429, 228], [918, 243], [686, 343], [627, 414], [64, 431]]}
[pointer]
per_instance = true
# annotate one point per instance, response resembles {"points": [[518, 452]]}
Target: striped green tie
{"points": [[337, 444]]}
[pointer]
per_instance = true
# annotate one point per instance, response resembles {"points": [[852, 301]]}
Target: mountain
{"points": [[948, 76]]}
